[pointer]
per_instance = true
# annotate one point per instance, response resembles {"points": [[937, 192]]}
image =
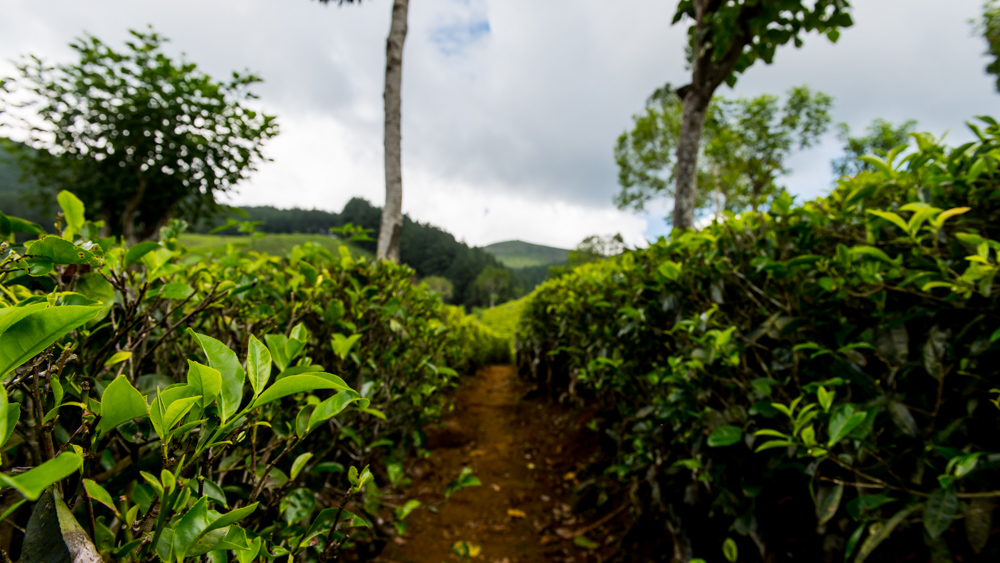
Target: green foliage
{"points": [[493, 283], [440, 285], [812, 381], [180, 401], [989, 27], [732, 35], [879, 138], [503, 319], [273, 244], [137, 135], [465, 479], [746, 144]]}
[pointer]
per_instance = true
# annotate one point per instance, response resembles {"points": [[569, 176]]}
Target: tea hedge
{"points": [[173, 404], [817, 382]]}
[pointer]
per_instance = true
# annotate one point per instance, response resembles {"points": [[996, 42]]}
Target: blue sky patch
{"points": [[452, 38]]}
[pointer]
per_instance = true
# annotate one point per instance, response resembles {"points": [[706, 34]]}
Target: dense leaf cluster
{"points": [[136, 134], [817, 382], [179, 404]]}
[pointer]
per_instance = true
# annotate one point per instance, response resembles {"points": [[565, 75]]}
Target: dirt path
{"points": [[525, 451]]}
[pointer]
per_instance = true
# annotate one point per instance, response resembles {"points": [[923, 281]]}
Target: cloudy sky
{"points": [[511, 107]]}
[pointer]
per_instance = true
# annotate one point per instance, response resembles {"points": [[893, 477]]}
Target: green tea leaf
{"points": [[223, 359], [342, 344], [880, 533], [137, 251], [729, 550], [725, 436], [33, 482], [26, 331], [829, 503], [206, 381], [403, 511], [295, 384], [299, 463], [117, 358], [98, 493], [59, 251], [13, 415], [258, 365], [120, 403], [842, 421], [331, 407], [939, 511], [297, 505], [72, 209], [176, 291], [585, 543]]}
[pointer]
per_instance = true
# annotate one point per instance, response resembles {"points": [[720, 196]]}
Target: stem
{"points": [[263, 477], [330, 548], [90, 514]]}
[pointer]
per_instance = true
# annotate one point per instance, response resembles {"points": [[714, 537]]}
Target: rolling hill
{"points": [[518, 254]]}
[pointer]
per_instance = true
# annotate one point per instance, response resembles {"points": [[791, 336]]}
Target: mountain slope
{"points": [[519, 254]]}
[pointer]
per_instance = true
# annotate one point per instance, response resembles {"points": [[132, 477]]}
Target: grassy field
{"points": [[274, 244], [517, 254], [503, 319]]}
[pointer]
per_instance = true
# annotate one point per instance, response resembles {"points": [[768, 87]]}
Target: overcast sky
{"points": [[511, 107]]}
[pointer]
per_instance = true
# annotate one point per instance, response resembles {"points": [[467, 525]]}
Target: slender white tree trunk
{"points": [[392, 212]]}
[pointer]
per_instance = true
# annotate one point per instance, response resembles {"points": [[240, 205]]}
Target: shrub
{"points": [[184, 403], [807, 383]]}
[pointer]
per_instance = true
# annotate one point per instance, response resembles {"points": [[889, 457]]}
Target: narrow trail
{"points": [[526, 452]]}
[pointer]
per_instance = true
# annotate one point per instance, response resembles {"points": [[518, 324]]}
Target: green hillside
{"points": [[519, 254]]}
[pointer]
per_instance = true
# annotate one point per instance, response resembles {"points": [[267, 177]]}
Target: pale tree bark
{"points": [[692, 125], [392, 212]]}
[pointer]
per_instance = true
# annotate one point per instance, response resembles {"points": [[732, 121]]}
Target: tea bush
{"points": [[815, 383], [174, 404]]}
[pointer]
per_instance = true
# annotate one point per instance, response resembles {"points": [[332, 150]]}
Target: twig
{"points": [[330, 546], [263, 477], [599, 523]]}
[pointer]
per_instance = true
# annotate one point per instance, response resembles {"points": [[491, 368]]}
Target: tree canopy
{"points": [[989, 27], [726, 37], [747, 142], [134, 133]]}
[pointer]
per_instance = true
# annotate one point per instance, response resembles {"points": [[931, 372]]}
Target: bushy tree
{"points": [[747, 142], [726, 37], [441, 285], [134, 133], [989, 27], [879, 138], [492, 282]]}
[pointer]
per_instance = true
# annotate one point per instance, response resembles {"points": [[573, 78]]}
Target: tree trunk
{"points": [[392, 212], [686, 171], [128, 215], [707, 74]]}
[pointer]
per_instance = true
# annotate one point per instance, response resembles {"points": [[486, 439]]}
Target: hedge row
{"points": [[817, 382], [173, 404]]}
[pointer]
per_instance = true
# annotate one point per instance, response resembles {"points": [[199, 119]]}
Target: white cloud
{"points": [[519, 119]]}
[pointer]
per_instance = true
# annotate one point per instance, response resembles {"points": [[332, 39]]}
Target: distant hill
{"points": [[518, 254]]}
